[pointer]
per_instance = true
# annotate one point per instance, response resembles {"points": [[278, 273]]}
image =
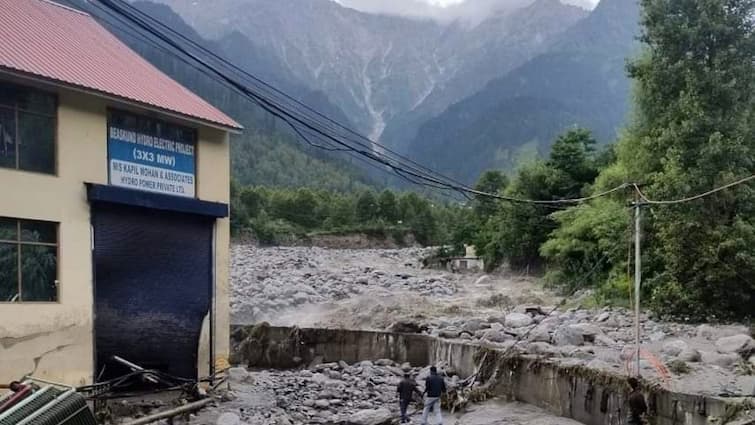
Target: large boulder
{"points": [[568, 335], [450, 332], [380, 416], [576, 334], [472, 326], [721, 360], [496, 336], [518, 320], [674, 348], [539, 334], [740, 344], [689, 355]]}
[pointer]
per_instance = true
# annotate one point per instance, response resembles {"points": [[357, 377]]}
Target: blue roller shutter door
{"points": [[153, 287]]}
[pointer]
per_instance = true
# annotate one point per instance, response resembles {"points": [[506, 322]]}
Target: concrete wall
{"points": [[588, 396], [55, 340], [214, 184]]}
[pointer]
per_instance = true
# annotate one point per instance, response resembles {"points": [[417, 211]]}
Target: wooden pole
{"points": [[637, 281]]}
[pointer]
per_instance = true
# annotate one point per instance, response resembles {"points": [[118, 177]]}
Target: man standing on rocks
{"points": [[406, 389], [637, 406], [435, 387]]}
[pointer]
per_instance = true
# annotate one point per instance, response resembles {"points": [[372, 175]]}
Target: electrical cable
{"points": [[431, 179], [257, 99], [279, 92], [646, 200]]}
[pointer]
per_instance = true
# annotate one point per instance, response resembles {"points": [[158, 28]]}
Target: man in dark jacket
{"points": [[406, 389], [435, 387], [637, 406]]}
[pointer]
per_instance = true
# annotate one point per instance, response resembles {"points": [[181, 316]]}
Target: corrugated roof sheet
{"points": [[67, 46]]}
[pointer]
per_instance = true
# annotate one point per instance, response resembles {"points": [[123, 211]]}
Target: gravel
{"points": [[387, 289], [361, 394]]}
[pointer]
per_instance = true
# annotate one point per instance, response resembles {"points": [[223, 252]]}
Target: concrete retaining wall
{"points": [[588, 396]]}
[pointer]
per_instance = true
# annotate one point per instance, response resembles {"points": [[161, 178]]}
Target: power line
{"points": [[417, 174], [691, 198], [417, 168], [328, 132]]}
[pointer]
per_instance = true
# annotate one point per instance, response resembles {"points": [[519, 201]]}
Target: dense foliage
{"points": [[693, 129], [515, 231], [274, 214]]}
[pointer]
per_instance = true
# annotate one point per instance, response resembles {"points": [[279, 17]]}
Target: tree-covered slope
{"points": [[580, 81], [267, 153]]}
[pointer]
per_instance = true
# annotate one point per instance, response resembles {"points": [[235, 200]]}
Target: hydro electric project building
{"points": [[114, 190]]}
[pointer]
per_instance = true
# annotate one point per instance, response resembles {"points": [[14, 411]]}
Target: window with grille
{"points": [[27, 129], [28, 260]]}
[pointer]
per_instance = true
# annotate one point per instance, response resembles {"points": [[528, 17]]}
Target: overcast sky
{"points": [[445, 9]]}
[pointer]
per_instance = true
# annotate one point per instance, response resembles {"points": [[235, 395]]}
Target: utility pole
{"points": [[637, 279]]}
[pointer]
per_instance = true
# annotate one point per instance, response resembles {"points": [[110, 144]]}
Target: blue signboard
{"points": [[153, 162]]}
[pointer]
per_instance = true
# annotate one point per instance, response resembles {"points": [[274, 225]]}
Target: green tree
{"points": [[252, 200], [366, 207], [491, 181], [516, 231], [388, 207], [694, 130], [573, 154], [304, 209]]}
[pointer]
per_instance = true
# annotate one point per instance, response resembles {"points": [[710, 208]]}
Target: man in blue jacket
{"points": [[435, 387]]}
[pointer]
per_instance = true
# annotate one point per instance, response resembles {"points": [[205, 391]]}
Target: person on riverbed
{"points": [[406, 390], [435, 387], [637, 406]]}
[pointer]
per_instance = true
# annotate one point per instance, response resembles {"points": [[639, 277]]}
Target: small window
{"points": [[28, 260], [27, 129]]}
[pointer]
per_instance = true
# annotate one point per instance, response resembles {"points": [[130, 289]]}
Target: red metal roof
{"points": [[66, 46]]}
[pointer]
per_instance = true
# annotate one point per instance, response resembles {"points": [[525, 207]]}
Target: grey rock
{"points": [[602, 317], [739, 344], [517, 320], [384, 362], [322, 404], [542, 348], [451, 332], [497, 336], [539, 334], [472, 326], [380, 416], [674, 348], [721, 360], [568, 335], [689, 355], [407, 326]]}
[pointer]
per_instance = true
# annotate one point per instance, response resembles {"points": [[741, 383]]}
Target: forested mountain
{"points": [[385, 71], [580, 81], [491, 89], [267, 153]]}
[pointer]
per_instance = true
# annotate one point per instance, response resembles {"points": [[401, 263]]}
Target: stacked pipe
{"points": [[30, 404]]}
